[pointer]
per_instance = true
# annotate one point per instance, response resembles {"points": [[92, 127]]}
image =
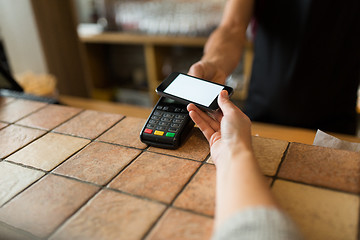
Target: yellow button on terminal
{"points": [[159, 133]]}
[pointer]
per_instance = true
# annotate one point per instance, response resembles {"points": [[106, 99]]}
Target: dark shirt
{"points": [[306, 68]]}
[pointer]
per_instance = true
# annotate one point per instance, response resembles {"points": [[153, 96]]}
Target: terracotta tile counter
{"points": [[69, 173]]}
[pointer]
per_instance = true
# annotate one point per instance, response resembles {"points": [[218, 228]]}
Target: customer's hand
{"points": [[208, 71], [239, 181], [228, 132]]}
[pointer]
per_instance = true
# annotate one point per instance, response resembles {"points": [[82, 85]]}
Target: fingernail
{"points": [[224, 93]]}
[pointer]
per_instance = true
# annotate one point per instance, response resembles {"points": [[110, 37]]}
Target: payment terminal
{"points": [[168, 125]]}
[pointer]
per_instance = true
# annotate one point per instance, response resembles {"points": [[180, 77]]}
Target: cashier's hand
{"points": [[228, 133], [208, 71]]}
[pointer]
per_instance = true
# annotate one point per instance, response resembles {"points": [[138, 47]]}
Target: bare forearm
{"points": [[240, 184], [224, 48], [225, 45]]}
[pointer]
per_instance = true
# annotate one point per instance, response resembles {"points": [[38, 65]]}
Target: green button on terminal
{"points": [[169, 134]]}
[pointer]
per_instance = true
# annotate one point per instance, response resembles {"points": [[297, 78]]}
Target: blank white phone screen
{"points": [[194, 90]]}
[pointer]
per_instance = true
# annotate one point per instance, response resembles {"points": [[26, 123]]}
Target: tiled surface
{"points": [[178, 225], [8, 233], [199, 194], [57, 113], [89, 124], [48, 151], [14, 137], [2, 125], [333, 168], [269, 153], [153, 193], [126, 132], [112, 215], [46, 204], [17, 109], [6, 100], [155, 176], [15, 179], [196, 147], [319, 213], [98, 162]]}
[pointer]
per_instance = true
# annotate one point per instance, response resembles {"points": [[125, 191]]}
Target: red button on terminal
{"points": [[147, 130]]}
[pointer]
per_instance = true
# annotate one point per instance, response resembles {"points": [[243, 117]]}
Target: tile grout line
{"points": [[73, 214], [146, 234], [149, 151], [135, 196], [123, 169], [39, 169], [101, 188], [46, 131], [120, 145], [12, 99], [318, 186], [73, 135], [190, 159], [34, 168], [47, 173], [193, 212], [187, 183], [51, 171], [27, 144], [275, 177], [35, 111], [23, 190], [172, 202], [23, 233], [108, 129], [50, 129]]}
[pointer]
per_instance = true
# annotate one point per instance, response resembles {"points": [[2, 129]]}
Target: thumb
{"points": [[203, 69], [197, 70], [224, 102]]}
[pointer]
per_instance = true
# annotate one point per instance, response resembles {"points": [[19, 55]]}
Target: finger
{"points": [[197, 70], [209, 70], [218, 115], [211, 121], [202, 124], [203, 69], [224, 102]]}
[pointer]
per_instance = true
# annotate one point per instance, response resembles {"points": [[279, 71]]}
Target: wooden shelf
{"points": [[155, 48], [131, 38]]}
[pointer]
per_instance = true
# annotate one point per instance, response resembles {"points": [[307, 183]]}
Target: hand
{"points": [[228, 132], [208, 71]]}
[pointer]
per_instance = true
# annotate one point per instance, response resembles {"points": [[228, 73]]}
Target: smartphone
{"points": [[168, 125], [188, 89]]}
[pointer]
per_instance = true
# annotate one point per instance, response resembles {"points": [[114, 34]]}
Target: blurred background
{"points": [[111, 50], [116, 51]]}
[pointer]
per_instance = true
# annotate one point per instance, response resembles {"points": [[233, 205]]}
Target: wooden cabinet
{"points": [[155, 49], [81, 63]]}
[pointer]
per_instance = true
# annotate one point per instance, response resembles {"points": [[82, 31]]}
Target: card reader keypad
{"points": [[166, 121]]}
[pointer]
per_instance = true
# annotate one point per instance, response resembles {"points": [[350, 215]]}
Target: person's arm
{"points": [[240, 183], [224, 47]]}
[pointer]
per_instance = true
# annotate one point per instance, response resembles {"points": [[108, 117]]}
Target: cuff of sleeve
{"points": [[258, 223]]}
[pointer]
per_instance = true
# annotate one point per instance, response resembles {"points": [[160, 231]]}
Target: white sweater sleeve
{"points": [[258, 223]]}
